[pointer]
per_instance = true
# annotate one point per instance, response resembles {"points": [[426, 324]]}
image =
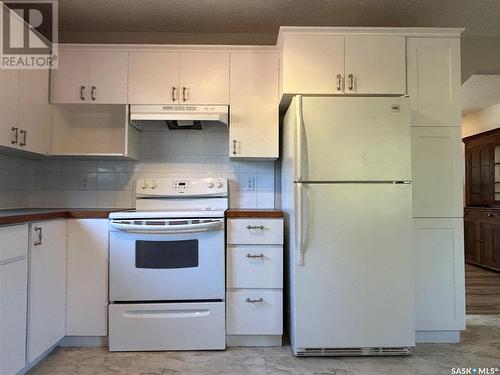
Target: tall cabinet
{"points": [[433, 68], [425, 65]]}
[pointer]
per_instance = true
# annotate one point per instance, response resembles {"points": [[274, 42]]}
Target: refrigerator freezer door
{"points": [[353, 139], [355, 287]]}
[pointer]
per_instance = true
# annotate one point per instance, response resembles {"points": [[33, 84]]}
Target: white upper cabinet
{"points": [[153, 78], [375, 64], [108, 77], [329, 63], [90, 77], [204, 78], [434, 81], [34, 111], [438, 172], [9, 88], [178, 78], [253, 130], [312, 64]]}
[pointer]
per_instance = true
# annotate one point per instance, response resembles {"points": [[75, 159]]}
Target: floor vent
{"points": [[349, 352]]}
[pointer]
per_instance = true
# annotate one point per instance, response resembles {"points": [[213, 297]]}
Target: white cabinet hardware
{"points": [[255, 256], [251, 227], [38, 242], [258, 300], [15, 135]]}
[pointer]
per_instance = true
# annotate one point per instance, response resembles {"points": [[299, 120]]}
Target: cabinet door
{"points": [[471, 240], [47, 291], [437, 169], [34, 110], [87, 282], [254, 105], [9, 89], [434, 81], [67, 81], [377, 64], [439, 274], [153, 78], [204, 78], [490, 244], [108, 77], [311, 64], [13, 297]]}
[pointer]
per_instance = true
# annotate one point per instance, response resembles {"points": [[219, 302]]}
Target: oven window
{"points": [[166, 254]]}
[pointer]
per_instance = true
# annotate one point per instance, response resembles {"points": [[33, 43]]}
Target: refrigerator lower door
{"points": [[354, 290]]}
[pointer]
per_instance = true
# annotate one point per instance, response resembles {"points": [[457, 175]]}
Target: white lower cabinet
{"points": [[87, 281], [254, 298], [47, 286], [439, 274], [13, 298]]}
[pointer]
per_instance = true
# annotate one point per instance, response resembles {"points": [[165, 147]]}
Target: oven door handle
{"points": [[160, 229]]}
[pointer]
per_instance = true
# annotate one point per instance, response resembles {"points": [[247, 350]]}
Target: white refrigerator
{"points": [[346, 193]]}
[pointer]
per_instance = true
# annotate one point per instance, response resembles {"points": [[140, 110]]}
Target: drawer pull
{"points": [[261, 227], [255, 255], [260, 300], [490, 215]]}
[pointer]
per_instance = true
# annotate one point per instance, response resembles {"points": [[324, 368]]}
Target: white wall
{"points": [[481, 121], [106, 183]]}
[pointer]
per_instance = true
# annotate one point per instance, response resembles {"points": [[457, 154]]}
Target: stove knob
{"points": [[144, 185], [211, 185], [220, 184], [154, 185]]}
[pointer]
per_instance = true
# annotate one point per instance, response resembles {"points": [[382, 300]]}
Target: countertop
{"points": [[38, 214], [253, 213]]}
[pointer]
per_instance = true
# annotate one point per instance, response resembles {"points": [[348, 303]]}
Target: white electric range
{"points": [[167, 267]]}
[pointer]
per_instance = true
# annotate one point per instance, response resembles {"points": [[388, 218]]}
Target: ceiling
{"points": [[479, 92], [480, 17]]}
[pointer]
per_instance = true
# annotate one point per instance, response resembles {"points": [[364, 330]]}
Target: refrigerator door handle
{"points": [[301, 151], [299, 238]]}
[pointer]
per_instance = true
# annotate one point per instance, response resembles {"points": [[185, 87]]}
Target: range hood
{"points": [[181, 116]]}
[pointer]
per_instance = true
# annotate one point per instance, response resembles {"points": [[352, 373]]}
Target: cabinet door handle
{"points": [[258, 300], [235, 145], [82, 92], [184, 93], [351, 82], [255, 255], [174, 93], [93, 93], [490, 215], [339, 82], [15, 135], [250, 227], [39, 230], [24, 134]]}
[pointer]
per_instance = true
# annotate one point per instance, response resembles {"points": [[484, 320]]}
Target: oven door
{"points": [[166, 260]]}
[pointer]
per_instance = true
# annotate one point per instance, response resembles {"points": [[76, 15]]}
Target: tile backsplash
{"points": [[15, 181], [162, 153]]}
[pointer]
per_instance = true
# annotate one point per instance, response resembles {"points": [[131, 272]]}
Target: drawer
{"points": [[471, 213], [13, 242], [166, 326], [489, 216], [255, 231], [250, 266], [254, 312]]}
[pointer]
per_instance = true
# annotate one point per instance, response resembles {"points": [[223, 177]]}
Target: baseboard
{"points": [[84, 341], [254, 340], [437, 337], [38, 359]]}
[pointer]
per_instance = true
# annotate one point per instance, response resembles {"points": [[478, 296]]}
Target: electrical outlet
{"points": [[249, 183]]}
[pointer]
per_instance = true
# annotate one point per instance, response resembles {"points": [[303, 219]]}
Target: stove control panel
{"points": [[171, 186]]}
